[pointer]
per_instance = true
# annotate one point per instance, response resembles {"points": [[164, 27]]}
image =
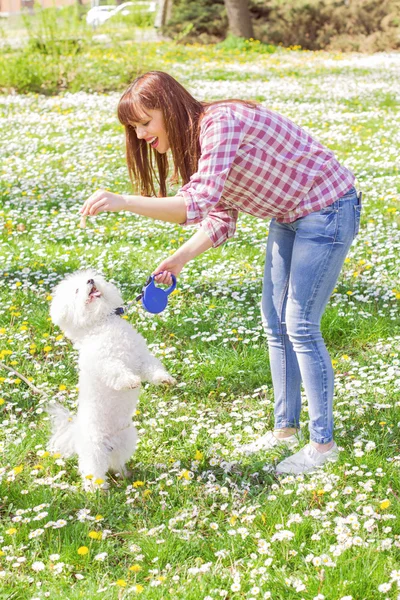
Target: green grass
{"points": [[197, 520]]}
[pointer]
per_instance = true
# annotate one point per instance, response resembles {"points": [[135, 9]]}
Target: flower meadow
{"points": [[197, 520]]}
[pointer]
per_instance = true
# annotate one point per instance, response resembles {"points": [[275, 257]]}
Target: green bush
{"points": [[56, 31], [365, 25], [207, 17]]}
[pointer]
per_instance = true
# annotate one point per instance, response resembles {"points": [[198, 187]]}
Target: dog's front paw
{"points": [[134, 383], [163, 378], [127, 383]]}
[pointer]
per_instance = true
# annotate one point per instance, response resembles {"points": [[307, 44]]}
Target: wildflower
{"points": [[101, 557], [135, 568], [83, 550], [138, 589], [38, 566], [95, 535]]}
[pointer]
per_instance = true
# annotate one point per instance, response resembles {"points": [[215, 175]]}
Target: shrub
{"points": [[365, 25], [334, 24], [207, 18]]}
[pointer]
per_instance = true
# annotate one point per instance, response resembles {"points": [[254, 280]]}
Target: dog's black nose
{"points": [[90, 281]]}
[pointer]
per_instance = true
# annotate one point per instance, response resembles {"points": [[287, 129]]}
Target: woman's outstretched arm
{"points": [[171, 209]]}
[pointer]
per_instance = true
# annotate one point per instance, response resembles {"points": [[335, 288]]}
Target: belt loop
{"points": [[360, 198]]}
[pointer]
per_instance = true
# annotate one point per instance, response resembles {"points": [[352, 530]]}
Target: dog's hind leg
{"points": [[94, 460], [123, 446]]}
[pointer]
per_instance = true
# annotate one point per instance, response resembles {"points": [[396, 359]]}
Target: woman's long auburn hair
{"points": [[182, 113]]}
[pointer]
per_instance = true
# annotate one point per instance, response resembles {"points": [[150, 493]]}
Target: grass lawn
{"points": [[198, 521]]}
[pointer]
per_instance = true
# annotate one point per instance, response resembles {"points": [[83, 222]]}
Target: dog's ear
{"points": [[58, 307]]}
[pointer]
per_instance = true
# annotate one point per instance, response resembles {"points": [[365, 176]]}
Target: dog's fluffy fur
{"points": [[113, 360]]}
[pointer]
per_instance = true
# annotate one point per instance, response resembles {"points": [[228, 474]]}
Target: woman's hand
{"points": [[102, 201], [170, 266]]}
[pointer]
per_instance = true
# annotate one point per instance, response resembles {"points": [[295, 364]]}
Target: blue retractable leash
{"points": [[154, 299]]}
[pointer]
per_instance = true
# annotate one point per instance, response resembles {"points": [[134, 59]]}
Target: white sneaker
{"points": [[269, 441], [307, 460]]}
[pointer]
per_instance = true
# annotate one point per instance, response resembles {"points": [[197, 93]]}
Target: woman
{"points": [[235, 156]]}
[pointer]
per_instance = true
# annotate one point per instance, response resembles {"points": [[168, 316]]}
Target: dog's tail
{"points": [[63, 430]]}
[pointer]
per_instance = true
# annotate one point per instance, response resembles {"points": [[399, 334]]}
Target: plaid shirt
{"points": [[259, 162]]}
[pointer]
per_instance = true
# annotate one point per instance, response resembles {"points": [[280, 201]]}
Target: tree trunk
{"points": [[239, 18], [163, 13]]}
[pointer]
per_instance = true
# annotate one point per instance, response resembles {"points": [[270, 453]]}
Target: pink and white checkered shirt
{"points": [[259, 162]]}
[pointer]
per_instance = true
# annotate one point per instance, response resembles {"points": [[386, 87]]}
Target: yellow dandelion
{"points": [[199, 455], [18, 469], [135, 568], [95, 535], [121, 582], [137, 484], [11, 531], [385, 504], [83, 550], [138, 589]]}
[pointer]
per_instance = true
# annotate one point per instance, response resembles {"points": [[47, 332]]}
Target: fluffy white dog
{"points": [[113, 360]]}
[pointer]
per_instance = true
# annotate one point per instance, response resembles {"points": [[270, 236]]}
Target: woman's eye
{"points": [[145, 124]]}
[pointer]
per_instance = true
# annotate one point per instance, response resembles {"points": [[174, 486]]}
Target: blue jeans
{"points": [[303, 262]]}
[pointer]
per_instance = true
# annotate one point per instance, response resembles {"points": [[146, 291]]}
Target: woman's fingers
{"points": [[164, 278], [98, 207], [88, 206]]}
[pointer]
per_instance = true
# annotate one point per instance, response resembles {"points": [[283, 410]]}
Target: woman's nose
{"points": [[140, 132]]}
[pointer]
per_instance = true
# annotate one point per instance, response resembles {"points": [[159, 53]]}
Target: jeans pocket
{"points": [[328, 210], [357, 218]]}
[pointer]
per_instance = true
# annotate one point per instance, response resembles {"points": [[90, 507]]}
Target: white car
{"points": [[100, 14]]}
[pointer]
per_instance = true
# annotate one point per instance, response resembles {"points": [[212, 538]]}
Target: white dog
{"points": [[113, 360]]}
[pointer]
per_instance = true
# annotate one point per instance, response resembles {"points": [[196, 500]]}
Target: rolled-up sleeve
{"points": [[220, 224], [220, 137]]}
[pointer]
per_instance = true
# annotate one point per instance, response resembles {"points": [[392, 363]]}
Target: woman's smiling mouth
{"points": [[153, 142]]}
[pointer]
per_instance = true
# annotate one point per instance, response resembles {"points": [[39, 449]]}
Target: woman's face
{"points": [[151, 128]]}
